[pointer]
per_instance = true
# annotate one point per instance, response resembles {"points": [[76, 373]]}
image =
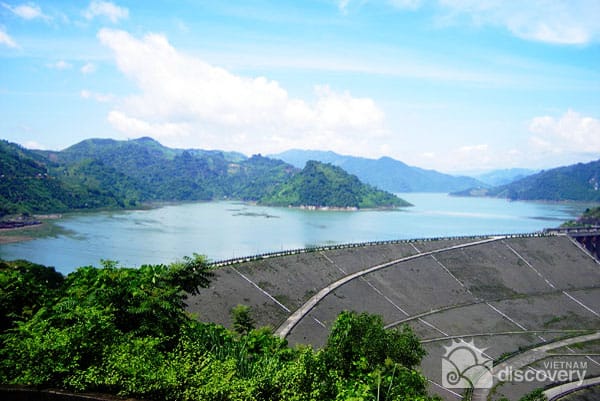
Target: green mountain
{"points": [[29, 183], [166, 174], [106, 173], [325, 185], [385, 173], [578, 182]]}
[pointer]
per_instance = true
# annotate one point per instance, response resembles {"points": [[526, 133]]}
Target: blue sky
{"points": [[454, 85]]}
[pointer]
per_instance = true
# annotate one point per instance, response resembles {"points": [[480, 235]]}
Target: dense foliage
{"points": [[590, 217], [29, 183], [325, 185], [125, 331], [578, 182], [159, 173]]}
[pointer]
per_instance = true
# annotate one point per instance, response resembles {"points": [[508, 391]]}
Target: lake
{"points": [[222, 230]]}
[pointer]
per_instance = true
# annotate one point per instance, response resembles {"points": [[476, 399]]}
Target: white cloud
{"points": [[552, 142], [60, 65], [136, 127], [88, 68], [6, 40], [99, 97], [406, 4], [571, 133], [551, 21], [28, 11], [191, 102], [33, 145], [106, 9]]}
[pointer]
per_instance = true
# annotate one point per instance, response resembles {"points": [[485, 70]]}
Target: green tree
{"points": [[362, 337], [25, 287], [366, 359], [243, 322], [125, 331]]}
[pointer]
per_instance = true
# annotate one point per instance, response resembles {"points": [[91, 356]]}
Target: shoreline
{"points": [[16, 229], [13, 225]]}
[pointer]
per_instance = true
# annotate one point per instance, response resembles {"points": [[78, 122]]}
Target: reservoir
{"points": [[227, 229]]}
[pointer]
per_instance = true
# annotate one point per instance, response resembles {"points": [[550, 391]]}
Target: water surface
{"points": [[223, 230]]}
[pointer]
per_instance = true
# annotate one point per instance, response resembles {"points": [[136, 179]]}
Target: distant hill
{"points": [[578, 182], [385, 173], [504, 176], [325, 185], [29, 183], [167, 174], [106, 173]]}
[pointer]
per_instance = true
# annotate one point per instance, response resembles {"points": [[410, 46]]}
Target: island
{"points": [[325, 186]]}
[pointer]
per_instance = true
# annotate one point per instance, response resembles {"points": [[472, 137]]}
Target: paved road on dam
{"points": [[558, 392], [303, 310]]}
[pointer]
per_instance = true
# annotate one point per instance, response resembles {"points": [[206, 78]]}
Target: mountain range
{"points": [[504, 176], [106, 173], [577, 182], [385, 173]]}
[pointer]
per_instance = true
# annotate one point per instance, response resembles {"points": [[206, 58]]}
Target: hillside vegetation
{"points": [[105, 173], [577, 182], [325, 185], [30, 183], [124, 331], [590, 217]]}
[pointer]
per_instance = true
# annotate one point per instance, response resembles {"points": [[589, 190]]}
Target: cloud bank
{"points": [[572, 132], [552, 21], [185, 100], [27, 11]]}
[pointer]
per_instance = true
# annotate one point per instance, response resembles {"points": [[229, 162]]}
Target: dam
{"points": [[505, 293]]}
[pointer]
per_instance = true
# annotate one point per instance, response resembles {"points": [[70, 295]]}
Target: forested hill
{"points": [[325, 185], [30, 183], [577, 182], [167, 174], [385, 173], [106, 173]]}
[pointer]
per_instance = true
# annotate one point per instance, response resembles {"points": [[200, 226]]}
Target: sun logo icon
{"points": [[466, 366]]}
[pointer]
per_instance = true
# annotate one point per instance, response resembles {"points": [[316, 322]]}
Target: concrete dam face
{"points": [[505, 294]]}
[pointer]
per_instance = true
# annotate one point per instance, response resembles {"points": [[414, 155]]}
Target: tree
{"points": [[363, 336], [25, 287], [366, 361], [243, 323]]}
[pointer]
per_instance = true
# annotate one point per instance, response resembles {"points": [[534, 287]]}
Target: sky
{"points": [[451, 85]]}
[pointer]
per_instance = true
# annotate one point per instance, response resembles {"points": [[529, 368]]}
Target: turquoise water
{"points": [[222, 230]]}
